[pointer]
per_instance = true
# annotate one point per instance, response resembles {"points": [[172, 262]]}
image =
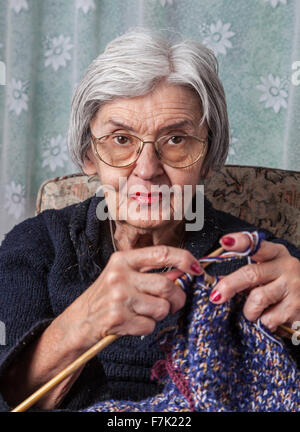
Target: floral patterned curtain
{"points": [[45, 46]]}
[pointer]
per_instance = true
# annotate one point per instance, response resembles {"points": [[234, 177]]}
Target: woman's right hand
{"points": [[126, 300], [122, 300]]}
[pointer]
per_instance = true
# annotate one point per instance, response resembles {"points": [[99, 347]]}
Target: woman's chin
{"points": [[146, 216], [146, 223]]}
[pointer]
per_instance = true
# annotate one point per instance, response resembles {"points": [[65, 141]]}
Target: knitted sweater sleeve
{"points": [[25, 255]]}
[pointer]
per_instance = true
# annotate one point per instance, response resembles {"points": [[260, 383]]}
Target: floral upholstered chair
{"points": [[266, 197]]}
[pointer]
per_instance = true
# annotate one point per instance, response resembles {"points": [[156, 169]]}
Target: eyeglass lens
{"points": [[175, 150]]}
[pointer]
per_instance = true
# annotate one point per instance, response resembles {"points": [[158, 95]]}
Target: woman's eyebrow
{"points": [[119, 125], [176, 125]]}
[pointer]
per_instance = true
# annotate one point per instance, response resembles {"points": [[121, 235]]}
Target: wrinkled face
{"points": [[167, 110]]}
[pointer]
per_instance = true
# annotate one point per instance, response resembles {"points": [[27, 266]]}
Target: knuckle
{"points": [[281, 247], [294, 287], [273, 320], [186, 258], [250, 314], [166, 288], [284, 286], [250, 272], [161, 254], [113, 277], [292, 265], [249, 311], [149, 327], [118, 295], [116, 257], [269, 322], [258, 299], [163, 308]]}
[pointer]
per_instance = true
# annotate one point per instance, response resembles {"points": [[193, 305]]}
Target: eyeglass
{"points": [[123, 150]]}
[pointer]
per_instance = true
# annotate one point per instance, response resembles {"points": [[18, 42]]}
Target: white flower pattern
{"points": [[57, 51], [18, 5], [232, 152], [216, 36], [85, 5], [232, 143], [14, 201], [55, 154], [274, 92], [164, 2], [17, 96], [274, 3]]}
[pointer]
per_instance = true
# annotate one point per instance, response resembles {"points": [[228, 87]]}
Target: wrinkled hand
{"points": [[273, 283], [124, 299]]}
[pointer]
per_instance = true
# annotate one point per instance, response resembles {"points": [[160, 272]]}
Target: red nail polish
{"points": [[215, 296], [196, 268], [228, 241]]}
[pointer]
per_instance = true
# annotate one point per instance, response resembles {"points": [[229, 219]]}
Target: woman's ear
{"points": [[89, 165]]}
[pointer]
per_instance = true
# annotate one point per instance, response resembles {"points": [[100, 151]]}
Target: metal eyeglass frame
{"points": [[140, 149]]}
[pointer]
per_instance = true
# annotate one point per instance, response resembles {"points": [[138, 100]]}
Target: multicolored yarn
{"points": [[217, 360]]}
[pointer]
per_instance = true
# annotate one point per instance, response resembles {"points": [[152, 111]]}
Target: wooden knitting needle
{"points": [[80, 361], [84, 358], [287, 329]]}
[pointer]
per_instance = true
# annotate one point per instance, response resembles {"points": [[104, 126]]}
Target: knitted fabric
{"points": [[220, 361], [48, 261]]}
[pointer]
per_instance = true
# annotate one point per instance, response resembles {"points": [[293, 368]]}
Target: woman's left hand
{"points": [[273, 283]]}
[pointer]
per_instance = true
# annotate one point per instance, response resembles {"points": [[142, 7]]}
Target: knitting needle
{"points": [[80, 361], [287, 329], [85, 357]]}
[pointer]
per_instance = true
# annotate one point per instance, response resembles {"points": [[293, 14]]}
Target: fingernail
{"points": [[228, 241], [215, 296], [197, 268]]}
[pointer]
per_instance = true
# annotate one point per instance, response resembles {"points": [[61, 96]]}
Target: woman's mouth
{"points": [[146, 198]]}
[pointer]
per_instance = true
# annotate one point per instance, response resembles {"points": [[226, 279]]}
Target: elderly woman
{"points": [[153, 114]]}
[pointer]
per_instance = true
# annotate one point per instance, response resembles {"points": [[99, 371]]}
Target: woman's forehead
{"points": [[165, 104]]}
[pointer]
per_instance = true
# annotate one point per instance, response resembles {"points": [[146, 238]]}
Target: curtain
{"points": [[45, 46]]}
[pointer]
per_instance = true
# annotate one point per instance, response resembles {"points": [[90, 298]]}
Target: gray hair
{"points": [[133, 65]]}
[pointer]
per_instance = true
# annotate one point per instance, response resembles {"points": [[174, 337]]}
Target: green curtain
{"points": [[45, 46]]}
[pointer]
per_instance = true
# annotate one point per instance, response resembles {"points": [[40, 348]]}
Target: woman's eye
{"points": [[175, 140], [121, 140]]}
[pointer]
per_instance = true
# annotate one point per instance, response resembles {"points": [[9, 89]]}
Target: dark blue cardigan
{"points": [[47, 261]]}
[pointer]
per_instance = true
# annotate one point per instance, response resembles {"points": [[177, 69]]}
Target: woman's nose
{"points": [[148, 164]]}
